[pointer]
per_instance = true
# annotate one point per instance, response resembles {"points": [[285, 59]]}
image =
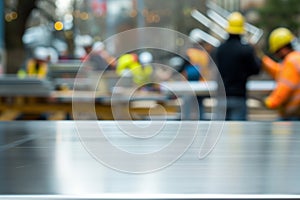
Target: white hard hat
{"points": [[84, 40], [41, 53], [87, 41], [98, 46], [145, 57]]}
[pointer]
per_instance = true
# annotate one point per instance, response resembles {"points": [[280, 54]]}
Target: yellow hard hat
{"points": [[279, 38], [235, 23]]}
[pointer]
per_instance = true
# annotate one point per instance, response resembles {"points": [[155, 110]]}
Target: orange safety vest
{"points": [[286, 95]]}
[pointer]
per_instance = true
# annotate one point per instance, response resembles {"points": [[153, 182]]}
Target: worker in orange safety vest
{"points": [[286, 96]]}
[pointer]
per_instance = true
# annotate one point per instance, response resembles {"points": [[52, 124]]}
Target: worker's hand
{"points": [[264, 60], [268, 103], [262, 53]]}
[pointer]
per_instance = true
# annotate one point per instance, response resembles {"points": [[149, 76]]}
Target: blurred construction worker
{"points": [[286, 95], [92, 58], [236, 61], [200, 57], [129, 65], [99, 50], [86, 42], [37, 66], [192, 69]]}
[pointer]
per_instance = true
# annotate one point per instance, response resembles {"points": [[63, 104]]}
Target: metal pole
{"points": [[110, 19], [140, 17]]}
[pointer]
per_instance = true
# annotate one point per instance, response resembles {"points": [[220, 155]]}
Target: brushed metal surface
{"points": [[48, 158]]}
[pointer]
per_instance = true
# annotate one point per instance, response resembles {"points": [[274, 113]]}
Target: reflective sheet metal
{"points": [[47, 158]]}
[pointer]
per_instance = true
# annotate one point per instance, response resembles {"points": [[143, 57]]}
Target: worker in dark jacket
{"points": [[236, 61]]}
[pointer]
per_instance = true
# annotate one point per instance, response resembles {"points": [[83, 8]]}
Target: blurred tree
{"points": [[14, 30], [277, 13], [17, 15]]}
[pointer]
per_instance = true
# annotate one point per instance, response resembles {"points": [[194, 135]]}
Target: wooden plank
{"points": [[59, 115], [9, 115]]}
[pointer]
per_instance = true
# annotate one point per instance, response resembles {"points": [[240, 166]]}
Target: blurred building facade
{"points": [[100, 19], [239, 5]]}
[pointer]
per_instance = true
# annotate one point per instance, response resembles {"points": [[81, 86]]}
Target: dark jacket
{"points": [[236, 61]]}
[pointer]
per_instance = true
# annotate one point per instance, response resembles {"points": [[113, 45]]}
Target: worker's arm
{"points": [[271, 67], [286, 82]]}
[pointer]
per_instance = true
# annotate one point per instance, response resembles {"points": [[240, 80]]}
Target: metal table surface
{"points": [[48, 159], [254, 87]]}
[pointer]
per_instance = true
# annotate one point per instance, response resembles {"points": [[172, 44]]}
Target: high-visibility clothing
{"points": [[141, 74], [286, 95], [37, 69]]}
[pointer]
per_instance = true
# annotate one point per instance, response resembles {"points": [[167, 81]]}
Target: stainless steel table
{"points": [[42, 159]]}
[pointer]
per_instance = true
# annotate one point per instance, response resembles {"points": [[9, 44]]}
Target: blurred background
{"points": [[63, 29], [56, 23]]}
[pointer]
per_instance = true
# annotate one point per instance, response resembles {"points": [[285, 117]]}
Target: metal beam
{"points": [[209, 24], [219, 15]]}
